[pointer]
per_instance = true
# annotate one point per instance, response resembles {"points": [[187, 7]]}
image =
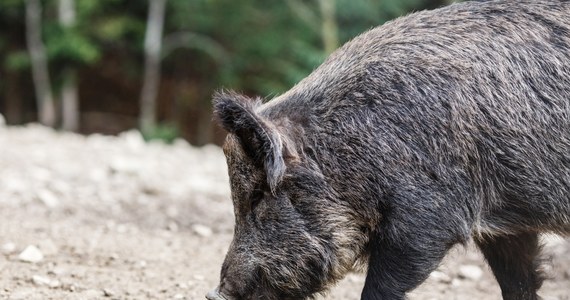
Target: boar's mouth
{"points": [[216, 295]]}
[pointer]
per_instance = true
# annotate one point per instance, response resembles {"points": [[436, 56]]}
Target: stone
{"points": [[202, 230], [8, 248], [440, 277], [108, 293], [39, 280], [48, 198], [471, 272], [31, 254]]}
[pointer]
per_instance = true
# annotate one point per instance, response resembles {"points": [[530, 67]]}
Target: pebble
{"points": [[471, 272], [48, 198], [57, 271], [8, 248], [39, 280], [455, 282], [199, 277], [440, 277], [172, 226], [202, 230], [179, 296], [31, 254], [182, 285], [108, 293], [54, 284], [44, 281]]}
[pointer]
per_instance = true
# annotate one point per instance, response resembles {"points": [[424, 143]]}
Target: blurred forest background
{"points": [[111, 65]]}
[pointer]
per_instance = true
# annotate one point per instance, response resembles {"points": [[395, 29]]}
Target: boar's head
{"points": [[293, 237]]}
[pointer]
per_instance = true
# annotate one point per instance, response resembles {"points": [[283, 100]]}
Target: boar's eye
{"points": [[255, 198]]}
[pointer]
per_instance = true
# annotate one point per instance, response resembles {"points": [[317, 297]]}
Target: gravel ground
{"points": [[102, 217]]}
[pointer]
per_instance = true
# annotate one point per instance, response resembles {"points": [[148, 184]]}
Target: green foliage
{"points": [[113, 28], [258, 47], [71, 46], [17, 60], [166, 132], [272, 45]]}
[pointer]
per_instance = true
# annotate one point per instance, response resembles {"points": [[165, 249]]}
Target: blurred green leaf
{"points": [[72, 46], [16, 61], [165, 132]]}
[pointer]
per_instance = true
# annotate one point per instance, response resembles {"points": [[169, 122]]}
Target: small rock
{"points": [[202, 230], [108, 293], [40, 280], [455, 282], [70, 287], [54, 284], [31, 254], [8, 248], [199, 277], [47, 198], [440, 277], [172, 226], [471, 272], [57, 271], [178, 296], [182, 285], [44, 281]]}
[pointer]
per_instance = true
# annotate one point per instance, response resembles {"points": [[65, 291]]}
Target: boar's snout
{"points": [[216, 295], [224, 291]]}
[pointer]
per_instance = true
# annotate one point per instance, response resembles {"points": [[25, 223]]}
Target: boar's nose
{"points": [[216, 295]]}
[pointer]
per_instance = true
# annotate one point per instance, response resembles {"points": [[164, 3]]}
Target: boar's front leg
{"points": [[395, 269], [415, 235], [515, 263]]}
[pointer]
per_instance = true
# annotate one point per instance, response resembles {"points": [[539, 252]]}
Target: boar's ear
{"points": [[259, 138]]}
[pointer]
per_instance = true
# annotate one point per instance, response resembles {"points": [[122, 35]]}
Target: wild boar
{"points": [[432, 130]]}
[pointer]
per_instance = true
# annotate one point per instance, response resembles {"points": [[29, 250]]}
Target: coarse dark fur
{"points": [[431, 130]]}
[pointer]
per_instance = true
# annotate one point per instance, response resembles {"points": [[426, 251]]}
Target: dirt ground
{"points": [[103, 217]]}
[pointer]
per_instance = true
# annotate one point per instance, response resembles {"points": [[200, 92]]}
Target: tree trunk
{"points": [[70, 100], [329, 25], [44, 98], [69, 92], [152, 47]]}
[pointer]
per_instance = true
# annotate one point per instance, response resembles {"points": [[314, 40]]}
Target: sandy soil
{"points": [[115, 218]]}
